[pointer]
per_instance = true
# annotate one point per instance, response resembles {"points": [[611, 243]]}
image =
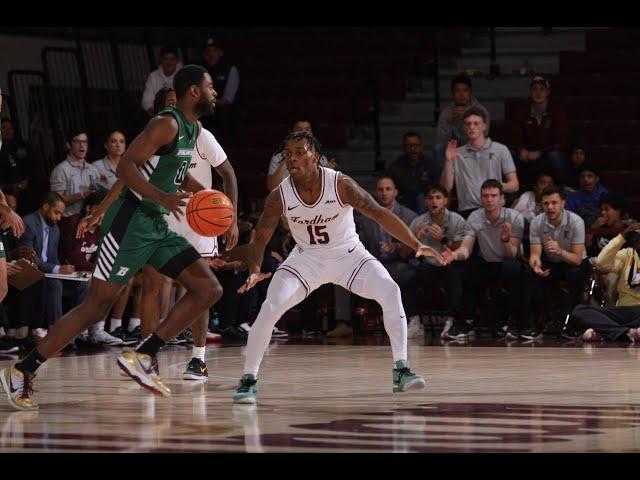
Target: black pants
{"points": [[233, 307], [40, 304], [576, 276], [482, 273], [425, 275], [612, 323]]}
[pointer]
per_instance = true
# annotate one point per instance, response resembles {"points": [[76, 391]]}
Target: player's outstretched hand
{"points": [[231, 237], [175, 202], [86, 223], [425, 251], [252, 280]]}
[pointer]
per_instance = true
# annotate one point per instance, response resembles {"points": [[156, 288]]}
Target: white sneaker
{"points": [[245, 326], [100, 337], [448, 323], [39, 334], [213, 337], [279, 333], [590, 335], [415, 328]]}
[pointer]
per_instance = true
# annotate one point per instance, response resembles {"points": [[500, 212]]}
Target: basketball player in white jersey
{"points": [[208, 153], [318, 204]]}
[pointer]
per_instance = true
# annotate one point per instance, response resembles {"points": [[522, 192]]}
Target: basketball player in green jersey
{"points": [[134, 233]]}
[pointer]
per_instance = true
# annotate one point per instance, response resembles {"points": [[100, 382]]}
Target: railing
{"points": [[430, 69], [494, 68], [31, 110], [68, 90], [372, 117]]}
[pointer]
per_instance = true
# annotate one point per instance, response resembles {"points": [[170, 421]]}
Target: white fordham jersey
{"points": [[326, 228], [208, 153]]}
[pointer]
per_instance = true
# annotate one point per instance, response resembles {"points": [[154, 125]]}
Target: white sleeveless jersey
{"points": [[208, 153], [325, 228]]}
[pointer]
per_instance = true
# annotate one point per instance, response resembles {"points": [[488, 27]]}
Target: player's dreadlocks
{"points": [[312, 141]]}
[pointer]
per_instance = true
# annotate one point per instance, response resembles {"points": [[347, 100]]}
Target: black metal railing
{"points": [[494, 68], [31, 109], [68, 91], [370, 118]]}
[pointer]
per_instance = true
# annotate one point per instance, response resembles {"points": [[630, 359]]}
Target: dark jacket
{"points": [[32, 237], [369, 230], [550, 134]]}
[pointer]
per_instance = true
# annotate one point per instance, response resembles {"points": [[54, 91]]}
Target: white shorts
{"points": [[314, 271], [205, 246]]}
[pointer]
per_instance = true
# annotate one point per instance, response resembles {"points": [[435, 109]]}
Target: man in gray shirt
{"points": [[469, 166], [74, 180], [498, 231], [437, 228], [450, 124], [557, 253]]}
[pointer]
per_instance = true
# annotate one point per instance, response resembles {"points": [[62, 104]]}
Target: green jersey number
{"points": [[182, 171]]}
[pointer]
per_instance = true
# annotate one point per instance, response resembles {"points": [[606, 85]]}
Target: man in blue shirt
{"points": [[586, 201]]}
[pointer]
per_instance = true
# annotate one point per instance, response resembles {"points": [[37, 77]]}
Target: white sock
{"points": [[198, 352], [115, 323], [98, 326], [133, 323]]}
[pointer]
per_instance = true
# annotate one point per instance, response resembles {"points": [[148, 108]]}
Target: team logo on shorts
{"points": [[122, 272]]}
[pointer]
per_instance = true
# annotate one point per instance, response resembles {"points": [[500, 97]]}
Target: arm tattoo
{"points": [[357, 197], [270, 217]]}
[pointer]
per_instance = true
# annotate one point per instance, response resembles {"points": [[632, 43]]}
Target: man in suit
{"points": [[41, 303]]}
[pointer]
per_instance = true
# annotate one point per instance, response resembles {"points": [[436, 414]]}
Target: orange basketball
{"points": [[210, 213]]}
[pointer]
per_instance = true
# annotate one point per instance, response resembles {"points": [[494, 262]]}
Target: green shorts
{"points": [[132, 237], [3, 254]]}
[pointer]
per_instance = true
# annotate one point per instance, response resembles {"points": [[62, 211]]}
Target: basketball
{"points": [[210, 213]]}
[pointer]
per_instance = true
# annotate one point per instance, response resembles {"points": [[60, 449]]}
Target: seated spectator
{"points": [[622, 322], [586, 201], [161, 77], [226, 81], [413, 172], [41, 303], [278, 169], [74, 180], [612, 221], [377, 241], [577, 157], [437, 228], [557, 253], [498, 231], [115, 145], [81, 253], [15, 158], [542, 134], [529, 204], [450, 124], [481, 159], [13, 335]]}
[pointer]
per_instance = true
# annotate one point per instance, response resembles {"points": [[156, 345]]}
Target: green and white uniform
{"points": [[134, 231]]}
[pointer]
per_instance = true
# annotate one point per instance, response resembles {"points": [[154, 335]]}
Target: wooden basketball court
{"points": [[322, 397]]}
